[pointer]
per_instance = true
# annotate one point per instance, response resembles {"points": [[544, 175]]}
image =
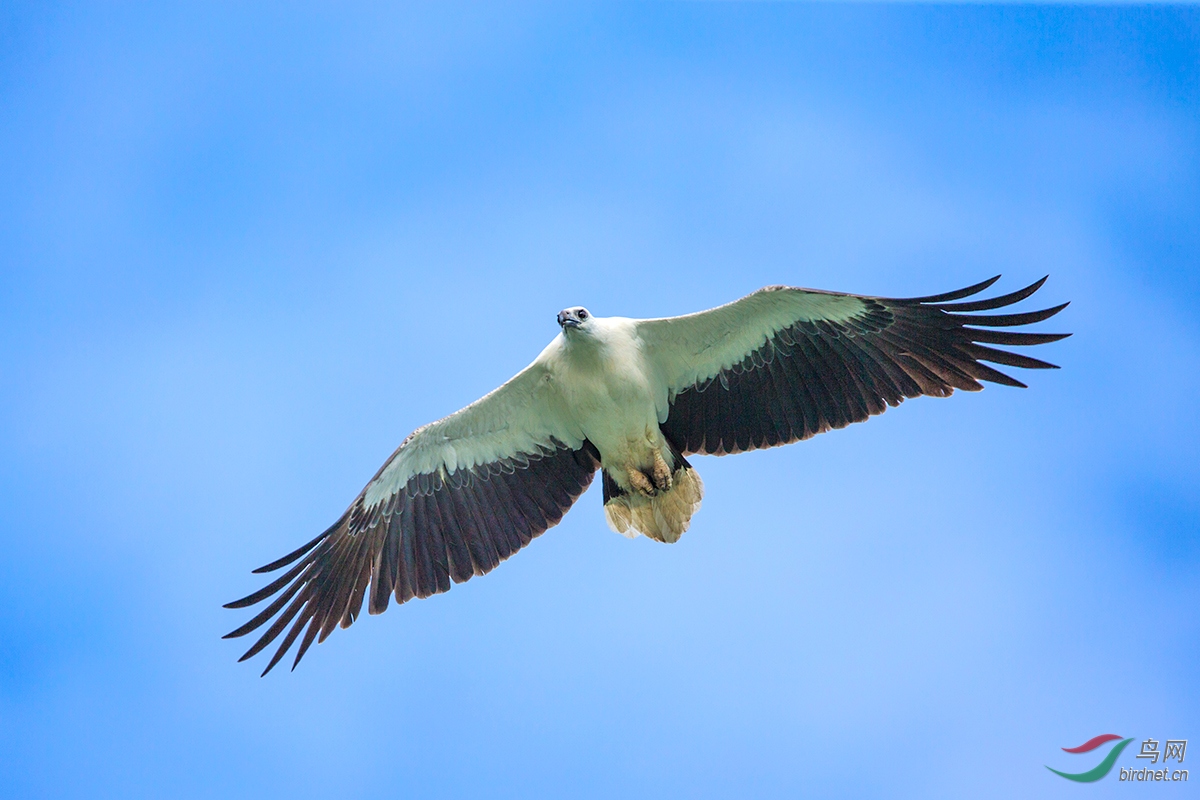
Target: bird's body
{"points": [[632, 398], [613, 391], [609, 390], [597, 383]]}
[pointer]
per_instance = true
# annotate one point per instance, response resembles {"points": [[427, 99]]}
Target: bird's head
{"points": [[574, 319]]}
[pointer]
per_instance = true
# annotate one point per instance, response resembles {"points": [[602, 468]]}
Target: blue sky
{"points": [[243, 252]]}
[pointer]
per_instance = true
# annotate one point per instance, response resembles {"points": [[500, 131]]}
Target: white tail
{"points": [[665, 516]]}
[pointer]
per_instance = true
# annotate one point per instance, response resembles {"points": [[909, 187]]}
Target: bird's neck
{"points": [[584, 350]]}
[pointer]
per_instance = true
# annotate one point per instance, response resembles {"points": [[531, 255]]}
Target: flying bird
{"points": [[631, 398]]}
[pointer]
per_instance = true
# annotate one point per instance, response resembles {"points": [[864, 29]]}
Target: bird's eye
{"points": [[582, 314]]}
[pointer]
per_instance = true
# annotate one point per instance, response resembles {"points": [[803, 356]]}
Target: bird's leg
{"points": [[661, 473], [639, 481]]}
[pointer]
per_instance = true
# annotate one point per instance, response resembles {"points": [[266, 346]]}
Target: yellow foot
{"points": [[639, 481], [662, 473]]}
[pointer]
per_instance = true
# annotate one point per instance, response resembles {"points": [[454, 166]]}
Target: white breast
{"points": [[606, 382]]}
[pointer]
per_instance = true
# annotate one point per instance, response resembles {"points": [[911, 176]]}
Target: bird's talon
{"points": [[641, 483], [662, 473]]}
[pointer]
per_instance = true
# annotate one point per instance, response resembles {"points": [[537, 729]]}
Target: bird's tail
{"points": [[663, 517]]}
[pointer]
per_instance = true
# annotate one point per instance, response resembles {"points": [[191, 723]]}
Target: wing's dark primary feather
{"points": [[436, 530], [815, 375]]}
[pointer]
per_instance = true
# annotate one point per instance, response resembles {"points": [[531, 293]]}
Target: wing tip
{"points": [[1058, 308], [957, 294]]}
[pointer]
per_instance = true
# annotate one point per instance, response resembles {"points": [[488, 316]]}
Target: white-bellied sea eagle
{"points": [[632, 398]]}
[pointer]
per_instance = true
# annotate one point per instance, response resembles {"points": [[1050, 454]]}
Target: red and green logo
{"points": [[1101, 769]]}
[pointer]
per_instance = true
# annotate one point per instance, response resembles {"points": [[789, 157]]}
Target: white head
{"points": [[575, 320]]}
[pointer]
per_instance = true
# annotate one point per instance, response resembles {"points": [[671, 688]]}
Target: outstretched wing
{"points": [[784, 364], [455, 499]]}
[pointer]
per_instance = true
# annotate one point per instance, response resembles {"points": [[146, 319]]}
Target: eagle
{"points": [[632, 398]]}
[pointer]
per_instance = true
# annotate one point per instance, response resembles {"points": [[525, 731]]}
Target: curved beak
{"points": [[567, 321]]}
